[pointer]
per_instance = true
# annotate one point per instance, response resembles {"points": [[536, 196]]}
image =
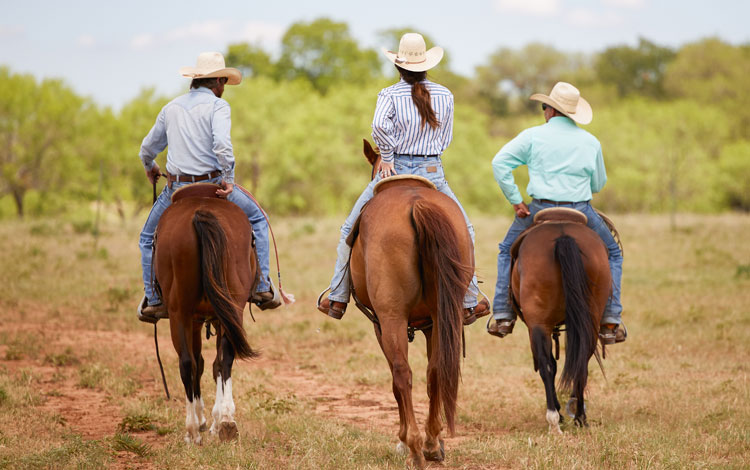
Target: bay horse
{"points": [[411, 264], [200, 282], [561, 275]]}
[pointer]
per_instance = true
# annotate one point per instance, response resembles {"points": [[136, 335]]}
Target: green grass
{"points": [[675, 394]]}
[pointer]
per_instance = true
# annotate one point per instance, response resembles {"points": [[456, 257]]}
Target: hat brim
{"points": [[233, 76], [582, 115], [431, 58]]}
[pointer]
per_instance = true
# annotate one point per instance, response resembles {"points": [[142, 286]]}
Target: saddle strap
{"points": [[611, 226]]}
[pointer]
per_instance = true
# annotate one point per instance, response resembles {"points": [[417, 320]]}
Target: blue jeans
{"points": [[404, 165], [501, 304], [254, 214]]}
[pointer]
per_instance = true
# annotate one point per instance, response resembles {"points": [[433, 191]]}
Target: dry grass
{"points": [[676, 393]]}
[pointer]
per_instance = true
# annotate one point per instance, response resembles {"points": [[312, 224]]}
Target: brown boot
{"points": [[332, 309], [267, 300], [501, 328], [151, 313], [612, 333], [471, 314]]}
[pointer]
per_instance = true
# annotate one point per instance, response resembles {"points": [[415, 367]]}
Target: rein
{"points": [[156, 340]]}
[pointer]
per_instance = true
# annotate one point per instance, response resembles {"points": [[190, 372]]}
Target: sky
{"points": [[111, 50]]}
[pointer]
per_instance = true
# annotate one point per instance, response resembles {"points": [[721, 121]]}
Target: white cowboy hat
{"points": [[413, 54], [209, 65], [566, 98]]}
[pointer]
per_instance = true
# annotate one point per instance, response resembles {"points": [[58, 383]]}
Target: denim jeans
{"points": [[404, 165], [501, 304], [254, 214]]}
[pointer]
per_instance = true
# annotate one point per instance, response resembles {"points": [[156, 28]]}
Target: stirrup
{"points": [[273, 302], [141, 316]]}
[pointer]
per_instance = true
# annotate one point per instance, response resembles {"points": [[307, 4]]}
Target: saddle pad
{"points": [[560, 214], [403, 180], [196, 190]]}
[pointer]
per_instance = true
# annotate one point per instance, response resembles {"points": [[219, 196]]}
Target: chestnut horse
{"points": [[561, 275], [201, 282], [411, 265]]}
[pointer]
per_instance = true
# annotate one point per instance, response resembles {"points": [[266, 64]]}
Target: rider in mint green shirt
{"points": [[566, 168]]}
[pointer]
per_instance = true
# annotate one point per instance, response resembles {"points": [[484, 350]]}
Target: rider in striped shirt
{"points": [[412, 126]]}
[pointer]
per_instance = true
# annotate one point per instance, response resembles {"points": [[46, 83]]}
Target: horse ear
{"points": [[372, 154]]}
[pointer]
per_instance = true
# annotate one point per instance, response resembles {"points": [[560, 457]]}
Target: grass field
{"points": [[80, 387]]}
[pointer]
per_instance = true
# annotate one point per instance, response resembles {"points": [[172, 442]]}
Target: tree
{"points": [[251, 60], [324, 53], [37, 127], [638, 70]]}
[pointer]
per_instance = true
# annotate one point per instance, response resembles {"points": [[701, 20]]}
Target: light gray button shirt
{"points": [[196, 126]]}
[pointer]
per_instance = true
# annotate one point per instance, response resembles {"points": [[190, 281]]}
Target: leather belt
{"points": [[416, 156], [559, 203], [193, 178]]}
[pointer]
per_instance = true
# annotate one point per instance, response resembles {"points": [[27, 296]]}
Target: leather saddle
{"points": [[196, 190], [382, 185], [552, 215]]}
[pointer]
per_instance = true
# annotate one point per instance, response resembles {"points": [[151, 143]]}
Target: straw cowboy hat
{"points": [[209, 65], [566, 98], [412, 54]]}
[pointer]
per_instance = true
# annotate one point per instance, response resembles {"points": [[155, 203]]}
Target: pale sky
{"points": [[111, 50]]}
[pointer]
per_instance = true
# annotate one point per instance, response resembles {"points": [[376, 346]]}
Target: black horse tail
{"points": [[212, 250], [581, 330], [442, 267]]}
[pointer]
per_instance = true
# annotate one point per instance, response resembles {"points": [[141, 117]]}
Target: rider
{"points": [[565, 167], [413, 125], [196, 127]]}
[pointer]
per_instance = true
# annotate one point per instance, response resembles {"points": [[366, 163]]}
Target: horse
{"points": [[413, 271], [201, 283], [561, 275]]}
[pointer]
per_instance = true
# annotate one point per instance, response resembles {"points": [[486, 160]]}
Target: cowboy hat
{"points": [[209, 65], [412, 54], [566, 98]]}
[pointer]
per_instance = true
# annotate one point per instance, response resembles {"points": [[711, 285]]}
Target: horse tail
{"points": [[441, 265], [579, 323], [212, 250]]}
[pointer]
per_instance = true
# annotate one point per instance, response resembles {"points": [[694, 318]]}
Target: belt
{"points": [[558, 203], [192, 178], [416, 156]]}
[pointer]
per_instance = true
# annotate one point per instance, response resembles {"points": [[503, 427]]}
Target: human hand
{"points": [[226, 189], [522, 210], [153, 174], [387, 169]]}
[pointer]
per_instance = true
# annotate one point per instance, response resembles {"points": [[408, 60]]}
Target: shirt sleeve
{"points": [[599, 177], [222, 125], [383, 126], [513, 154], [447, 135], [155, 142]]}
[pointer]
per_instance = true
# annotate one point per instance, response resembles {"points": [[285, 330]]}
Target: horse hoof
{"points": [[437, 455], [402, 449], [202, 428], [228, 431], [581, 422]]}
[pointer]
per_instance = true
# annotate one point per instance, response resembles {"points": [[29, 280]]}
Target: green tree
{"points": [[635, 70], [37, 129], [325, 53], [251, 60], [733, 182]]}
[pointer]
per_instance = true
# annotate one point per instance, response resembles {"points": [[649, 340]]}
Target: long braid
{"points": [[420, 96]]}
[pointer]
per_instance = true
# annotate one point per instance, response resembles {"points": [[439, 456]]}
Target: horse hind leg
{"points": [[541, 345], [224, 424], [434, 446], [188, 371], [199, 405]]}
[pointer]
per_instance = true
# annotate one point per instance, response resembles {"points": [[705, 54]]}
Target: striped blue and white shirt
{"points": [[397, 125]]}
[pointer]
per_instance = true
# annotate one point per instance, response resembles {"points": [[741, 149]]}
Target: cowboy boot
{"points": [[332, 309], [267, 300], [471, 314], [611, 333], [501, 328], [151, 313]]}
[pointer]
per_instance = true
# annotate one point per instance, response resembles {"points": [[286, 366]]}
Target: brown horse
{"points": [[200, 282], [561, 275], [411, 265]]}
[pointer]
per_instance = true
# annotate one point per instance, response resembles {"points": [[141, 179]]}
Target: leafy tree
{"points": [[733, 182], [325, 53], [251, 60], [37, 128], [635, 70]]}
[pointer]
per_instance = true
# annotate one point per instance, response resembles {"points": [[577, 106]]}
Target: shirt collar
{"points": [[201, 90], [561, 121]]}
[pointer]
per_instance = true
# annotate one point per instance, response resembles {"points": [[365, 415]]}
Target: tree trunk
{"points": [[18, 198]]}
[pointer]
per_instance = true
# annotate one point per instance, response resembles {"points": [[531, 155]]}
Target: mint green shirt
{"points": [[565, 163]]}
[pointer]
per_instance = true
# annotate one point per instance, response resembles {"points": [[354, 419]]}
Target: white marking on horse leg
{"points": [[227, 406], [191, 422], [402, 449], [215, 412], [199, 408], [553, 418]]}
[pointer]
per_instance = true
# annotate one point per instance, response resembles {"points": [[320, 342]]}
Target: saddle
{"points": [[382, 185], [552, 215], [196, 190]]}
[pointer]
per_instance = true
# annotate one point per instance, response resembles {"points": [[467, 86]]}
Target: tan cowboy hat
{"points": [[209, 65], [566, 98], [413, 54]]}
